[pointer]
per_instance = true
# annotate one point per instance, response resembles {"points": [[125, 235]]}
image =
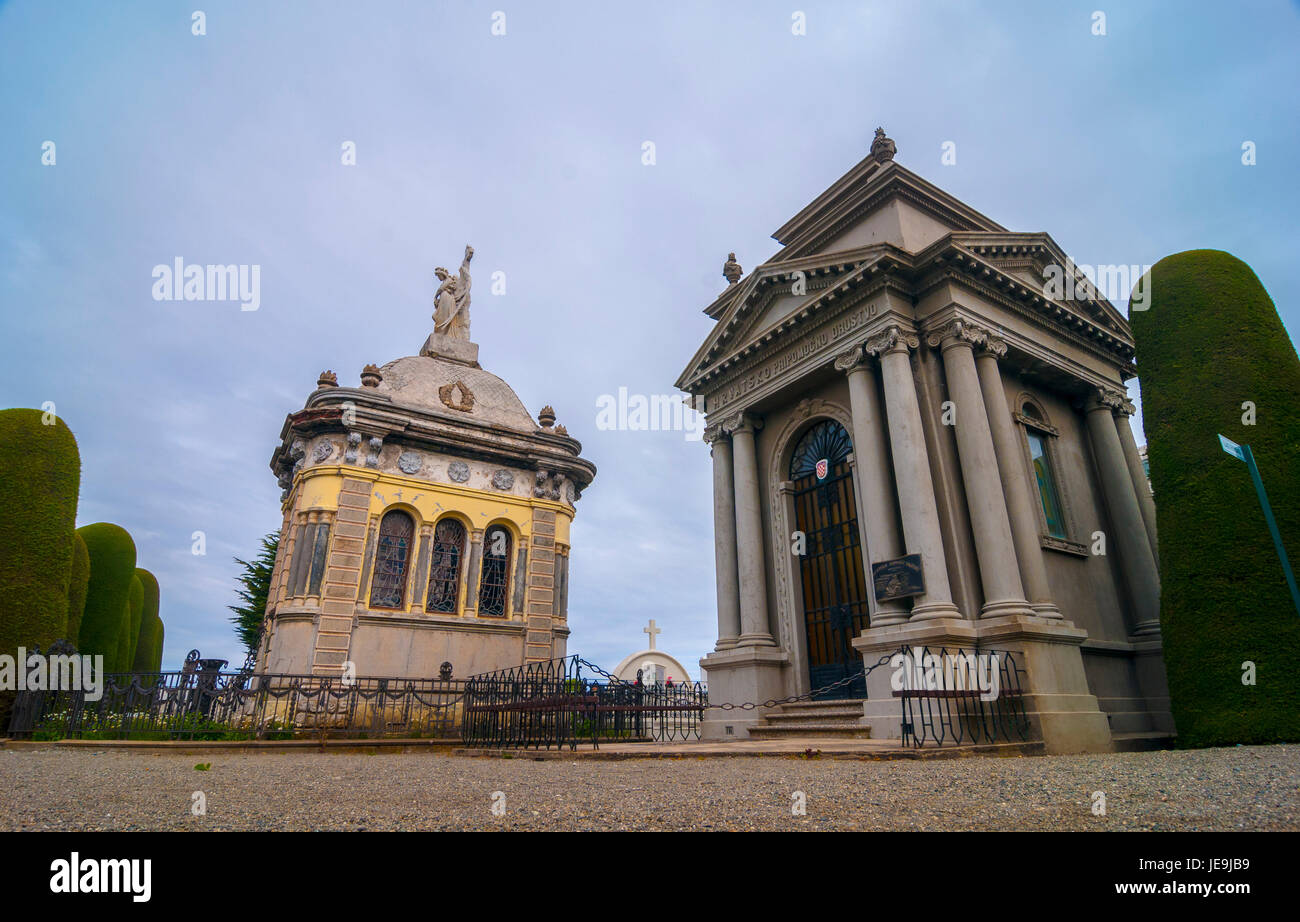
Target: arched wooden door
{"points": [[835, 606]]}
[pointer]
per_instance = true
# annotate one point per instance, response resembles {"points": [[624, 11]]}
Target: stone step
{"points": [[828, 703], [809, 728], [822, 715]]}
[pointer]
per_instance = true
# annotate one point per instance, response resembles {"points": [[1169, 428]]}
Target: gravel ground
{"points": [[1255, 787]]}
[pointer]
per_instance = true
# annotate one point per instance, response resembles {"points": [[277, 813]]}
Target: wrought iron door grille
{"points": [[444, 566]]}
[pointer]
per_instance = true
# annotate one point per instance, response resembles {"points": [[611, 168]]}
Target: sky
{"points": [[226, 148]]}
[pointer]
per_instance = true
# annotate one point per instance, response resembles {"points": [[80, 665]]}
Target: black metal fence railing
{"points": [[211, 705], [960, 696], [540, 705]]}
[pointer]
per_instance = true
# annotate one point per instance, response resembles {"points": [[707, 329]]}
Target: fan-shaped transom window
{"points": [[495, 578], [392, 558], [826, 441], [444, 566]]}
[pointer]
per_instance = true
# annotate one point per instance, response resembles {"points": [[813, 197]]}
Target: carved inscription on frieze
{"points": [[809, 345]]}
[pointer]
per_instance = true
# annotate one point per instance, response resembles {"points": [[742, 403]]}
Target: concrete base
{"points": [[1061, 710], [451, 349], [739, 675]]}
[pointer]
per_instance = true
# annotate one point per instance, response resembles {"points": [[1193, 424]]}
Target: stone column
{"points": [[999, 571], [472, 572], [751, 570], [1016, 481], [724, 538], [1146, 503], [877, 524], [915, 489], [1129, 539]]}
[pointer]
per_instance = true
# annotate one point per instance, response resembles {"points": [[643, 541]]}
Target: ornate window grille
{"points": [[494, 582], [825, 441], [444, 566], [392, 557]]}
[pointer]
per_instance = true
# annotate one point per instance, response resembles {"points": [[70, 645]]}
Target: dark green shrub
{"points": [[112, 568], [131, 625], [1211, 341], [38, 513], [77, 587], [150, 625]]}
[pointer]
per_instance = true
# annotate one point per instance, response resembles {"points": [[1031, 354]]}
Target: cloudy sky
{"points": [[226, 148]]}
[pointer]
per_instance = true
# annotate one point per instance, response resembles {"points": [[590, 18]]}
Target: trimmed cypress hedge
{"points": [[38, 512], [150, 626], [158, 647], [1210, 341], [77, 587], [112, 567], [131, 637]]}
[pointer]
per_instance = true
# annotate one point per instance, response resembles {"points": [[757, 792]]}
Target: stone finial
{"points": [[882, 148], [560, 430], [327, 379], [731, 270], [370, 376], [546, 418]]}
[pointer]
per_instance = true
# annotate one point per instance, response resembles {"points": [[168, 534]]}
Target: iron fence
{"points": [[540, 705], [209, 704], [961, 696]]}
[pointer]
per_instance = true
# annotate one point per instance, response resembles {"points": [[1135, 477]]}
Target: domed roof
{"points": [[454, 390]]}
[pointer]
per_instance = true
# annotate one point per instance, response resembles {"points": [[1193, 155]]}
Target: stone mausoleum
{"points": [[898, 386], [426, 518]]}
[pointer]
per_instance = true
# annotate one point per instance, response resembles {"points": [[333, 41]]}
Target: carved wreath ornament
{"points": [[456, 396]]}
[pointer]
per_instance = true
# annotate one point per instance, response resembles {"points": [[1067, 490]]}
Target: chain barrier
{"points": [[771, 702]]}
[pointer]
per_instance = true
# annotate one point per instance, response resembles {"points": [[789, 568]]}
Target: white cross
{"points": [[652, 631]]}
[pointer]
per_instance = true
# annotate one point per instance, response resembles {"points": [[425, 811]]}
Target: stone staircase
{"points": [[840, 719]]}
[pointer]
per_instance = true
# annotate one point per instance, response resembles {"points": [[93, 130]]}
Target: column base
{"points": [[928, 611], [1002, 607], [762, 639], [1047, 610], [889, 614], [737, 676], [725, 643]]}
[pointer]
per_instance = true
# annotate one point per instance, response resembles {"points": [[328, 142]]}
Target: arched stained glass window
{"points": [[825, 441], [392, 558], [444, 566], [495, 578]]}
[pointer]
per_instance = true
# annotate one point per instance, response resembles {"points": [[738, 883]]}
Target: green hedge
{"points": [[150, 626], [131, 625], [1210, 341], [38, 512], [77, 587], [112, 568]]}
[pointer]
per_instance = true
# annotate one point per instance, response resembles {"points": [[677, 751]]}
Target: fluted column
{"points": [[915, 488], [999, 571], [724, 538], [1146, 503], [877, 526], [750, 567], [1016, 481], [1129, 535]]}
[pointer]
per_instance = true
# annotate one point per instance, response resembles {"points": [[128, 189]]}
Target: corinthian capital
{"points": [[958, 332], [1107, 398], [892, 340], [853, 358], [742, 422]]}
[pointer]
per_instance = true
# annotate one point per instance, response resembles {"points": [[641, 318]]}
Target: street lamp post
{"points": [[1243, 453]]}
